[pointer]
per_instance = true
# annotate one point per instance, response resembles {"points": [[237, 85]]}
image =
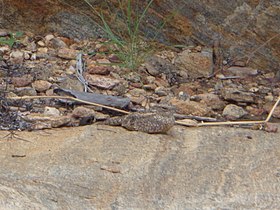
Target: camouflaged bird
{"points": [[149, 122]]}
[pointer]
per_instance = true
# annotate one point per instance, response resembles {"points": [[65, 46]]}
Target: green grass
{"points": [[126, 37], [11, 39]]}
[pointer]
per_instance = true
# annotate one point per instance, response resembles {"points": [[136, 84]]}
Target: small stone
{"points": [[41, 85], [26, 91], [101, 70], [81, 112], [242, 71], [42, 52], [51, 111], [16, 57], [33, 57], [57, 43], [4, 49], [233, 94], [26, 56], [183, 96], [41, 43], [3, 33], [271, 127], [149, 87], [103, 61], [161, 91], [269, 75], [49, 37], [190, 107], [114, 59], [31, 46], [212, 100], [67, 53], [269, 97], [22, 81], [137, 92], [101, 81], [150, 79], [233, 112], [195, 64]]}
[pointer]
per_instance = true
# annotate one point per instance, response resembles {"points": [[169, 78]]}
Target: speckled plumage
{"points": [[148, 122]]}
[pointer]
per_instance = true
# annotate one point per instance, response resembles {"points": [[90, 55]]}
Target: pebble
{"points": [[102, 82], [67, 53], [233, 94], [233, 112], [22, 81], [101, 70], [41, 85], [57, 43], [25, 91], [242, 71], [190, 107], [196, 64], [51, 111], [17, 57], [80, 112]]}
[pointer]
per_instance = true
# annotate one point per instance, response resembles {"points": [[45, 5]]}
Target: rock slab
{"points": [[96, 167]]}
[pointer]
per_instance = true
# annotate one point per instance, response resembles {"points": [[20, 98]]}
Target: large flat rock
{"points": [[102, 167]]}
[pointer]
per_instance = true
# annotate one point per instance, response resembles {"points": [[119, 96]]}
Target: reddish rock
{"points": [[22, 81], [101, 81], [102, 70]]}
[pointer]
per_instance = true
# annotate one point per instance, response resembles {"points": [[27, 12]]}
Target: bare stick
{"points": [[272, 110], [70, 98]]}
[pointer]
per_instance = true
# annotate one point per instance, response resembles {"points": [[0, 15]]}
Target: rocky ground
{"points": [[193, 80], [104, 167]]}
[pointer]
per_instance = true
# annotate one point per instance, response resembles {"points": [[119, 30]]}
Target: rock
{"points": [[57, 43], [101, 81], [161, 91], [190, 107], [41, 43], [41, 85], [156, 65], [81, 112], [16, 57], [233, 94], [212, 100], [149, 87], [51, 111], [3, 33], [42, 52], [101, 70], [195, 64], [242, 71], [22, 81], [26, 91], [171, 171], [49, 37], [137, 92], [67, 53], [31, 46], [4, 49], [233, 112]]}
